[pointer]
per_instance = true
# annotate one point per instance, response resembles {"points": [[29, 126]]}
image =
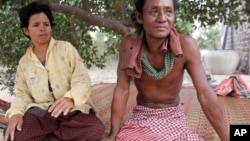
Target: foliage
{"points": [[13, 44], [65, 29], [210, 12], [183, 26], [102, 44], [209, 38]]}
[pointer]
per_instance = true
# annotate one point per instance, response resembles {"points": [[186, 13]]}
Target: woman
{"points": [[52, 87]]}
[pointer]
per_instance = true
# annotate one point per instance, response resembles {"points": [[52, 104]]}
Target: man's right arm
{"points": [[119, 102], [120, 95]]}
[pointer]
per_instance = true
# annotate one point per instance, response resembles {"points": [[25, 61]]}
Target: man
{"points": [[156, 59]]}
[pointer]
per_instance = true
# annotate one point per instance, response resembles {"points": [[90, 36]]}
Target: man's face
{"points": [[157, 18]]}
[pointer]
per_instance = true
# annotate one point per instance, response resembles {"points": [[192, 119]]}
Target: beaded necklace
{"points": [[150, 71]]}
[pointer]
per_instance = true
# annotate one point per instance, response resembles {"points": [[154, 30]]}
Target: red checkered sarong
{"points": [[164, 124]]}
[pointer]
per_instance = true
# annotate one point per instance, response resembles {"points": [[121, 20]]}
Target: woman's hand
{"points": [[62, 105], [15, 122]]}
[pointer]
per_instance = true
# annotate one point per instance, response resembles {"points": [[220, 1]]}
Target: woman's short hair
{"points": [[34, 8]]}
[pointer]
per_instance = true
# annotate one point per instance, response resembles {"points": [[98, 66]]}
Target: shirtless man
{"points": [[155, 59]]}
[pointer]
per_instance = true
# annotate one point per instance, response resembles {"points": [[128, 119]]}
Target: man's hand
{"points": [[15, 122], [62, 105]]}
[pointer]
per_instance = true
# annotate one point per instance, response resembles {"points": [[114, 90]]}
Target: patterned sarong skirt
{"points": [[164, 124]]}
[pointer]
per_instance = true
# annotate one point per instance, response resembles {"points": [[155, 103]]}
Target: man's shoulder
{"points": [[132, 37], [187, 41], [186, 38], [131, 41], [188, 44]]}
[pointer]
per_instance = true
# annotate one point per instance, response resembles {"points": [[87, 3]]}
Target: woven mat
{"points": [[236, 111]]}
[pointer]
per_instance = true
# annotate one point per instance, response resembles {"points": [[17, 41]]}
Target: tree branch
{"points": [[91, 19], [75, 37], [123, 9], [86, 5]]}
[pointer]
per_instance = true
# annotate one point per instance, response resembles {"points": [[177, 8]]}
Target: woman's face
{"points": [[39, 29]]}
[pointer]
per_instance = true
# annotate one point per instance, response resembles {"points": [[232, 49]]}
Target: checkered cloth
{"points": [[164, 124]]}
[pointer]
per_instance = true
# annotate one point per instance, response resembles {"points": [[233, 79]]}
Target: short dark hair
{"points": [[139, 4], [34, 8]]}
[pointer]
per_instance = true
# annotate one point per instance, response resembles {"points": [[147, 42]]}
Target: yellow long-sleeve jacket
{"points": [[65, 71]]}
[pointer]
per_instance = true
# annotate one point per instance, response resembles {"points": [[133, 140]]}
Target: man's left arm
{"points": [[206, 96]]}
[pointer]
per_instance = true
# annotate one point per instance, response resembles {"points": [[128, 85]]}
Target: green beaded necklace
{"points": [[150, 71]]}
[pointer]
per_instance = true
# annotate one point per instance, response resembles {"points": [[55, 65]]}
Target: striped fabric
{"points": [[165, 124]]}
